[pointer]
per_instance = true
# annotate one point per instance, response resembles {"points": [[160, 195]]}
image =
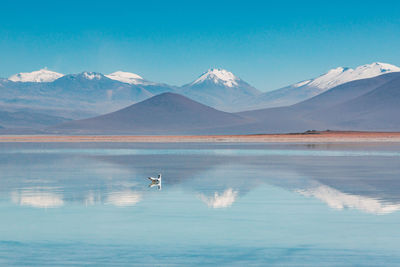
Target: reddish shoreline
{"points": [[309, 137]]}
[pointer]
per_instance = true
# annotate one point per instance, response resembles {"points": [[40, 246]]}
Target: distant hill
{"points": [[368, 104], [167, 113], [378, 109]]}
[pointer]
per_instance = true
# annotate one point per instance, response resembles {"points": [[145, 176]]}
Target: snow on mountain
{"points": [[85, 76], [218, 76], [43, 75], [372, 70], [342, 75], [127, 77], [91, 75]]}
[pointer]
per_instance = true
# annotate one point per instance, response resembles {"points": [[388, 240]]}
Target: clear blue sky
{"points": [[268, 44]]}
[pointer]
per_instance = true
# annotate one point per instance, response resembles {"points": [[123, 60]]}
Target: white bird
{"points": [[155, 181]]}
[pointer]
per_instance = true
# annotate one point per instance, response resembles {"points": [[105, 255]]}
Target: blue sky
{"points": [[268, 44]]}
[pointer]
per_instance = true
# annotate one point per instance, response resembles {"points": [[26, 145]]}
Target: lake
{"points": [[221, 204]]}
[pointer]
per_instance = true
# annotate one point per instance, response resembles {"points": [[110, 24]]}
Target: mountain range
{"points": [[84, 94], [342, 98], [303, 90], [93, 93], [366, 104]]}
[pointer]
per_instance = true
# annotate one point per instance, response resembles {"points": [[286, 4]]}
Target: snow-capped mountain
{"points": [[303, 90], [92, 92], [99, 90], [219, 88], [218, 76], [43, 75], [128, 77], [342, 75], [75, 95], [83, 76]]}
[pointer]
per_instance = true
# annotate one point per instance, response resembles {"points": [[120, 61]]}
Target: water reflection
{"points": [[339, 200], [37, 197], [252, 208], [123, 198], [217, 201], [92, 198], [341, 180], [52, 197]]}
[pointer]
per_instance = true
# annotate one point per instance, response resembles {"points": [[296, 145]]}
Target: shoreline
{"points": [[308, 137]]}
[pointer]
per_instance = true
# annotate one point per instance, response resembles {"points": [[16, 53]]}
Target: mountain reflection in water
{"points": [[218, 179], [220, 205]]}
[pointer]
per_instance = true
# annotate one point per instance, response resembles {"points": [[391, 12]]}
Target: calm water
{"points": [[220, 204]]}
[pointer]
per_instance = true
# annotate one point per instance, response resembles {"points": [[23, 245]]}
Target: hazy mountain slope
{"points": [[166, 113], [369, 104], [28, 120], [378, 109], [273, 120]]}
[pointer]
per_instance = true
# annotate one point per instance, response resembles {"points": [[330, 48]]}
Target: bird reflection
{"points": [[155, 181]]}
